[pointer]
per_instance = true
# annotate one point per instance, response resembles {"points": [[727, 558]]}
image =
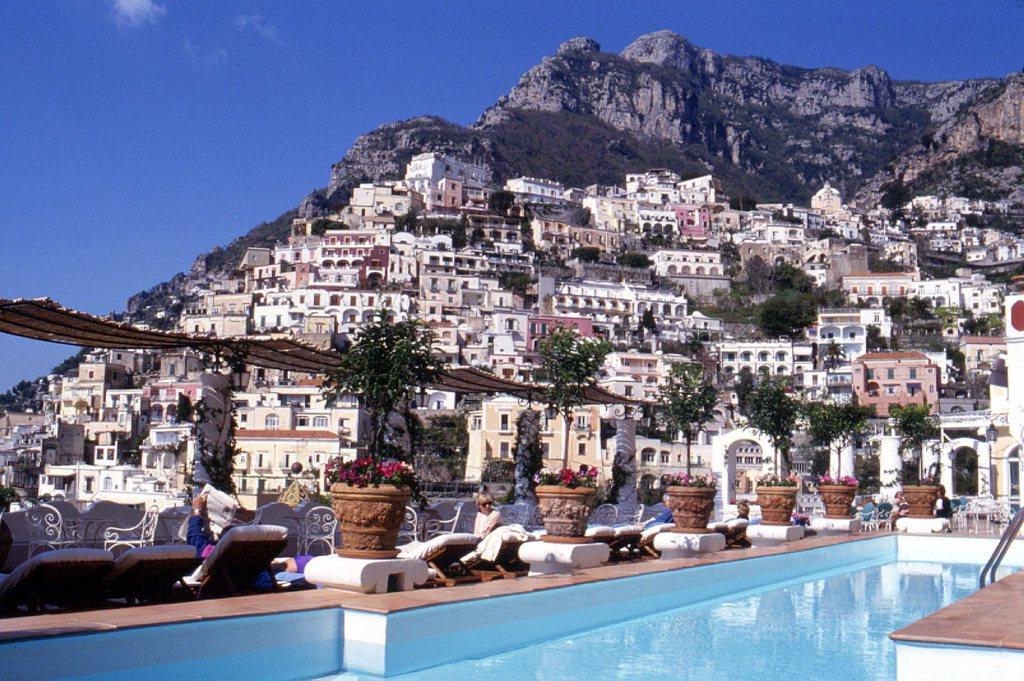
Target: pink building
{"points": [[883, 379], [539, 328], [694, 221]]}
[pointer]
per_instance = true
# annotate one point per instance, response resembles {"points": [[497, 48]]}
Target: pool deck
{"points": [[118, 618], [988, 618]]}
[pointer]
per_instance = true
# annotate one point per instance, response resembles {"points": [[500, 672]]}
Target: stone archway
{"points": [[723, 461], [970, 455]]}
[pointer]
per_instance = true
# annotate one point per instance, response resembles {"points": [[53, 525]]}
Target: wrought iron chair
{"points": [[605, 514], [629, 514], [410, 530], [140, 534], [319, 526], [47, 530], [461, 521]]}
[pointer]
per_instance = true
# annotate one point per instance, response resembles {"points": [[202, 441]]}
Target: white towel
{"points": [[490, 546]]}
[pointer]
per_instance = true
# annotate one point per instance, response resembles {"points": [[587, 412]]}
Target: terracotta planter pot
{"points": [[837, 499], [921, 499], [691, 508], [777, 504], [370, 518], [565, 512]]}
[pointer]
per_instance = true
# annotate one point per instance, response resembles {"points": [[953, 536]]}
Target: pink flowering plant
{"points": [[368, 472], [586, 476], [846, 480], [776, 480], [687, 480]]}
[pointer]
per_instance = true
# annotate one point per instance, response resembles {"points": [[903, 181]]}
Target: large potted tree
{"points": [[386, 365], [835, 426], [772, 412], [915, 425], [568, 365], [686, 402]]}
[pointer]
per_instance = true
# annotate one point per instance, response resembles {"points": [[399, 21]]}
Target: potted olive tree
{"points": [[835, 426], [388, 362], [915, 425], [771, 411], [568, 365], [686, 402]]}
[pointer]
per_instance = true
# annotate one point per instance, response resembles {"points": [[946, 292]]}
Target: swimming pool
{"points": [[834, 625], [819, 609]]}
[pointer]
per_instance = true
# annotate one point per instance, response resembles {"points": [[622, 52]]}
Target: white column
{"points": [[946, 461], [846, 460], [889, 464], [985, 468]]}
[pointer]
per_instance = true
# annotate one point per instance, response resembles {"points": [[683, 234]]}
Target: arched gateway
{"points": [[723, 460]]}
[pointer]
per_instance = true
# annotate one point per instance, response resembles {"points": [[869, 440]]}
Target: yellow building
{"points": [[492, 436]]}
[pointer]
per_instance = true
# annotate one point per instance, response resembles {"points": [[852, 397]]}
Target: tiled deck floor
{"points": [[56, 624], [992, 617]]}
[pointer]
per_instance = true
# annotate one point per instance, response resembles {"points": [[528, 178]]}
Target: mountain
{"points": [[768, 130]]}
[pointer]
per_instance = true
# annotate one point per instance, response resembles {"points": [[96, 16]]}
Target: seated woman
{"points": [[488, 518]]}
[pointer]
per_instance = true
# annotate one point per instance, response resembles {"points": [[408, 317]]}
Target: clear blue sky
{"points": [[135, 134]]}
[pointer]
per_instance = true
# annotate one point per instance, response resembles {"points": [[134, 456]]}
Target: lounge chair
{"points": [[735, 532], [61, 577], [497, 555], [147, 574], [623, 541], [646, 545], [626, 544], [442, 554], [241, 555]]}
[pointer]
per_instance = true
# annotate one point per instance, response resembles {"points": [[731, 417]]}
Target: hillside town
{"points": [[881, 307]]}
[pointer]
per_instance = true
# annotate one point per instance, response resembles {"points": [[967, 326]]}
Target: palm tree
{"points": [[833, 355]]}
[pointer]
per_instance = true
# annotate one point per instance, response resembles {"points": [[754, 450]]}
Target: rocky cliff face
{"points": [[978, 152], [773, 130]]}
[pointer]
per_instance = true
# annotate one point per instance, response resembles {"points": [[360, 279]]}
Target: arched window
{"points": [[271, 422], [108, 484], [319, 421]]}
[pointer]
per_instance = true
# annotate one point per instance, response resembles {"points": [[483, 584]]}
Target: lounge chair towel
{"points": [[421, 549], [490, 546]]}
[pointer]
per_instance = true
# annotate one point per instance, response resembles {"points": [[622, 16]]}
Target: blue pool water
{"points": [[835, 626]]}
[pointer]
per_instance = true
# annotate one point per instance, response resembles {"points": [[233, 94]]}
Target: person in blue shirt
{"points": [[664, 517]]}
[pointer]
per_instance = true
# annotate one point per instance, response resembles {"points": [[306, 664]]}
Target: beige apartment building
{"points": [[884, 379], [492, 436]]}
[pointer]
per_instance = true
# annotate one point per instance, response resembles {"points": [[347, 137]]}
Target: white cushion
{"points": [[600, 531], [655, 529], [422, 549], [628, 529]]}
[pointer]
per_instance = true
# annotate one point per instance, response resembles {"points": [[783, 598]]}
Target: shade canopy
{"points": [[44, 319]]}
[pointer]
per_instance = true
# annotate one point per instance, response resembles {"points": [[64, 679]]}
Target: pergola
{"points": [[44, 319]]}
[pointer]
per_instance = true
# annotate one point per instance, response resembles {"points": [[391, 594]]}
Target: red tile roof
{"points": [[882, 356], [285, 435], [985, 340]]}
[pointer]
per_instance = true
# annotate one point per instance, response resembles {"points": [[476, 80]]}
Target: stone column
{"points": [[985, 468], [625, 458], [889, 464]]}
